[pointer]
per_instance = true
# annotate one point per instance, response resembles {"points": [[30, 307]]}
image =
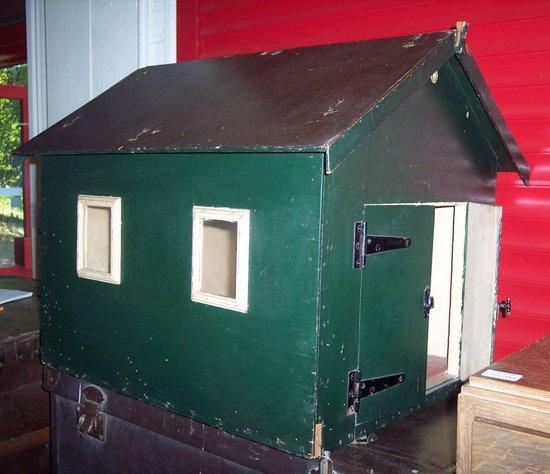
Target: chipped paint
{"points": [[333, 108], [139, 134], [412, 42], [70, 122]]}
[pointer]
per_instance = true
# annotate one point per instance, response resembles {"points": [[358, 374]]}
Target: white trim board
{"points": [[241, 217], [480, 287], [113, 204]]}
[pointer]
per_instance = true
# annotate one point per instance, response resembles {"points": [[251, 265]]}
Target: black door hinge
{"points": [[358, 389], [365, 244], [360, 233]]}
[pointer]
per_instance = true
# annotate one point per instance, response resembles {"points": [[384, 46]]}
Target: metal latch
{"points": [[460, 37], [325, 466], [428, 302], [505, 307], [365, 244], [89, 419], [358, 389]]}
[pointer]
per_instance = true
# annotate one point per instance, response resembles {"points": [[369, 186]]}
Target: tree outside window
{"points": [[11, 178]]}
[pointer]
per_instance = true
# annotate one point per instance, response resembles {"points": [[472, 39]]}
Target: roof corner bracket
{"points": [[328, 169], [460, 36]]}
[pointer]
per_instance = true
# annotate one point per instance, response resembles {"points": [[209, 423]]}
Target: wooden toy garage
{"points": [[288, 249]]}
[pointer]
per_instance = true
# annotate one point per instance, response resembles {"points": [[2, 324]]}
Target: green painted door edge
{"points": [[393, 331]]}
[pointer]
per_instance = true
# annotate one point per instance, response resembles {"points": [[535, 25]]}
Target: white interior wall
{"points": [[113, 42], [79, 48], [442, 265], [451, 331], [457, 289]]}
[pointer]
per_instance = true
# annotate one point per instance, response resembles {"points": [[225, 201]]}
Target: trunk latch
{"points": [[89, 419]]}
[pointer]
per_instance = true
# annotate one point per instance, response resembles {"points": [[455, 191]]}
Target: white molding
{"points": [[242, 218], [37, 101], [156, 32], [114, 204], [480, 287], [36, 66]]}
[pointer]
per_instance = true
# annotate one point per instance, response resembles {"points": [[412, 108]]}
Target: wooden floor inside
{"points": [[423, 442], [435, 366]]}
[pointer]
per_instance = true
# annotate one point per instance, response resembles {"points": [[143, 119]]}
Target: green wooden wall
{"points": [[251, 374], [427, 148]]}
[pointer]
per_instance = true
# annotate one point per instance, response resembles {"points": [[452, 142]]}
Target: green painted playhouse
{"points": [[296, 247]]}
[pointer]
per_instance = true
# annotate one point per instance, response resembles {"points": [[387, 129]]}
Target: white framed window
{"points": [[98, 238], [220, 257]]}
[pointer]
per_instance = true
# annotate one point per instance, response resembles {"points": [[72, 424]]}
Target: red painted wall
{"points": [[511, 42]]}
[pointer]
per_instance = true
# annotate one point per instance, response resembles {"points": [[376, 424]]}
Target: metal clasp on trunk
{"points": [[89, 419]]}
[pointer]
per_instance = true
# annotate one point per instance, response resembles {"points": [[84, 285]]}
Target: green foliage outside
{"points": [[11, 218], [10, 126]]}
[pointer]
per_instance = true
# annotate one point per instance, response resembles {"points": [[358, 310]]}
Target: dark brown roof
{"points": [[298, 99]]}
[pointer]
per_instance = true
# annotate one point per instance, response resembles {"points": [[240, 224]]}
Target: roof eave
{"points": [[407, 84], [515, 160], [452, 45], [18, 158], [447, 46]]}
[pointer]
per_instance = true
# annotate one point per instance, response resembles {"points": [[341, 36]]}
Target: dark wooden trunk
{"points": [[143, 438], [24, 406]]}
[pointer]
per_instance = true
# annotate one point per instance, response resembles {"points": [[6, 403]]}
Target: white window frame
{"points": [[242, 218], [114, 204]]}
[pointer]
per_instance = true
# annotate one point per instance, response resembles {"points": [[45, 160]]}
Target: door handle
{"points": [[428, 302]]}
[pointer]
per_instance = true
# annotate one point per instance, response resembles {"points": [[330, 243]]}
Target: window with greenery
{"points": [[11, 178]]}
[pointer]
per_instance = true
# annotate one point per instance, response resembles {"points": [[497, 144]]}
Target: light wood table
{"points": [[504, 425]]}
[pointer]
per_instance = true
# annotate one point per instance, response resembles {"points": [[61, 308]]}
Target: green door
{"points": [[393, 329]]}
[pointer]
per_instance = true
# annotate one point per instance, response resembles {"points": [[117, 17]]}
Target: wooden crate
{"points": [[504, 425]]}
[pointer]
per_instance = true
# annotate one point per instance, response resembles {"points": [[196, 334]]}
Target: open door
{"points": [[395, 306]]}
